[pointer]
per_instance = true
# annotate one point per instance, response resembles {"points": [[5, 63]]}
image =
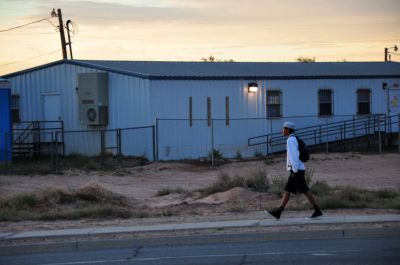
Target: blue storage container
{"points": [[5, 121]]}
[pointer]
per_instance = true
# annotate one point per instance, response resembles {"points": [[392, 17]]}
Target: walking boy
{"points": [[296, 182]]}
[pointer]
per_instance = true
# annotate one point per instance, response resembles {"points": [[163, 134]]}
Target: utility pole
{"points": [[61, 28], [69, 40], [386, 54]]}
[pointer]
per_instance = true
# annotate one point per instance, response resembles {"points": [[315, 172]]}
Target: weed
{"points": [[91, 201], [238, 155], [216, 154], [258, 181], [320, 187], [309, 176], [236, 206], [167, 191], [258, 154], [223, 183], [278, 184]]}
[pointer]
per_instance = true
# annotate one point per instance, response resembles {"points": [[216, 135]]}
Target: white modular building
{"points": [[190, 108]]}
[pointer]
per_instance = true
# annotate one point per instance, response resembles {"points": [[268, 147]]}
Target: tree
{"points": [[302, 59], [212, 59]]}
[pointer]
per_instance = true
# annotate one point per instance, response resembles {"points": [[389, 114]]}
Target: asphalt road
{"points": [[351, 250]]}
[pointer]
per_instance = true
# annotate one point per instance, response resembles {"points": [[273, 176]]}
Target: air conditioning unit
{"points": [[93, 98]]}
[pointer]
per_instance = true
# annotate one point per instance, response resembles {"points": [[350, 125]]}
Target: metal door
{"points": [[51, 113]]}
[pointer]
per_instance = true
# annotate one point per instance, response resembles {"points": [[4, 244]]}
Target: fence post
{"points": [[56, 153], [327, 137], [270, 141], [398, 133], [119, 141], [354, 133], [154, 142], [212, 142], [379, 135], [6, 152], [102, 144], [52, 151]]}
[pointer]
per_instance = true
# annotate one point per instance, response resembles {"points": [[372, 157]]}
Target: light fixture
{"points": [[252, 87]]}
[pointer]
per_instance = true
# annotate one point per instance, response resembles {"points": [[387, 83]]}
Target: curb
{"points": [[326, 220]]}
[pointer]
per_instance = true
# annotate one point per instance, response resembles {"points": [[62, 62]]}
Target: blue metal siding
{"points": [[5, 124]]}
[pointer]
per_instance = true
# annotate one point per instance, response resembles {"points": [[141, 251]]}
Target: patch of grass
{"points": [[239, 155], [216, 154], [223, 183], [320, 187], [309, 176], [258, 154], [167, 191], [92, 201], [258, 181], [355, 198], [278, 184], [236, 206]]}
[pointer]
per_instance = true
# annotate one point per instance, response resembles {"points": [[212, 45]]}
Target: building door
{"points": [[51, 114]]}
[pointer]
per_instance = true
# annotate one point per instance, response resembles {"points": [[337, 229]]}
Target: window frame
{"points": [[327, 102], [279, 92], [359, 90]]}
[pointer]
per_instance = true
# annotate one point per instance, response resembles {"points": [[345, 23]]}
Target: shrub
{"points": [[278, 184], [238, 155], [223, 183], [216, 154], [258, 181], [167, 191], [320, 187]]}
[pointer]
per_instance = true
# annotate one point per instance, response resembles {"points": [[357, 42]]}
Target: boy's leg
{"points": [[317, 212], [278, 211], [285, 199], [310, 198]]}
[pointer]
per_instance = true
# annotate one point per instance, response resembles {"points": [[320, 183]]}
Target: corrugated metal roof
{"points": [[250, 69], [238, 70]]}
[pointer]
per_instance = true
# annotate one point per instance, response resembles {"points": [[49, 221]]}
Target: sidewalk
{"points": [[265, 222]]}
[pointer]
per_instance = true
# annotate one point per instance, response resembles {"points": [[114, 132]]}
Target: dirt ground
{"points": [[371, 171]]}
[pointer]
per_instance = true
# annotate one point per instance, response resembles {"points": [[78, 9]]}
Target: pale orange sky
{"points": [[188, 30]]}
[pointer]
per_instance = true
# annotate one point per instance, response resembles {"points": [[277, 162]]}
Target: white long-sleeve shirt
{"points": [[292, 155]]}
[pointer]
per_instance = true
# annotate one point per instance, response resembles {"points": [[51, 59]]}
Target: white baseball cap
{"points": [[289, 125]]}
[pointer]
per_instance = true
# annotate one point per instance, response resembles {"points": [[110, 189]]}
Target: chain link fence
{"points": [[179, 139]]}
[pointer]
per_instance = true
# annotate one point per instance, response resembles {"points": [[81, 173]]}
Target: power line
{"points": [[31, 58], [24, 25]]}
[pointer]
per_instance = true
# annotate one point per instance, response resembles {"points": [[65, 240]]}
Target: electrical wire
{"points": [[31, 58], [24, 25]]}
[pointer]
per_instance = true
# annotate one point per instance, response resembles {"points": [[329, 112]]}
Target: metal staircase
{"points": [[344, 132], [29, 138]]}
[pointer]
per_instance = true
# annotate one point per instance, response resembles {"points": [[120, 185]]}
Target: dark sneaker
{"points": [[317, 213], [275, 213]]}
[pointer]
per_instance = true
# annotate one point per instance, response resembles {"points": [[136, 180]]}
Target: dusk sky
{"points": [[188, 30]]}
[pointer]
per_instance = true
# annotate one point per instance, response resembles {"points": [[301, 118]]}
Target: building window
{"points": [[363, 101], [325, 102], [190, 112], [274, 103], [15, 109], [227, 115], [208, 111]]}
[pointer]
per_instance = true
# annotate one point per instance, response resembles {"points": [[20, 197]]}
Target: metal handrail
{"points": [[322, 132]]}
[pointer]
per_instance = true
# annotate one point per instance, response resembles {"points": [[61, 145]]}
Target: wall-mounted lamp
{"points": [[252, 87]]}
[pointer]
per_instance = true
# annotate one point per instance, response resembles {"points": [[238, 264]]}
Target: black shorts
{"points": [[296, 182]]}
